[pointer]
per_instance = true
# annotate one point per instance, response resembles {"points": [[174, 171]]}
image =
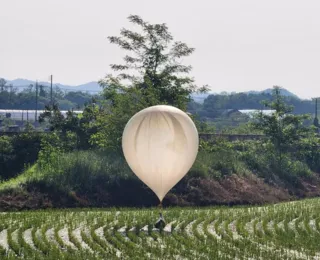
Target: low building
{"points": [[229, 112], [251, 112], [28, 115], [13, 128]]}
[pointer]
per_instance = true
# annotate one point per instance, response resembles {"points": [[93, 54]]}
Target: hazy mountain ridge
{"points": [[201, 97], [283, 92], [94, 87], [91, 87]]}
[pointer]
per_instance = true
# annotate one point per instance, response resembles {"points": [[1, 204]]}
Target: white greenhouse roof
{"points": [[19, 114], [253, 111]]}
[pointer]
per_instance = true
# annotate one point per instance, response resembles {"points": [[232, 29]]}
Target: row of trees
{"points": [[214, 105], [11, 98], [152, 74], [158, 77]]}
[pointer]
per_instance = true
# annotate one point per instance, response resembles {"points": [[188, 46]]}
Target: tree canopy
{"points": [[153, 64], [152, 74]]}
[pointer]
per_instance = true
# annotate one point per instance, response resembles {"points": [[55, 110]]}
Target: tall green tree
{"points": [[73, 127], [3, 84], [152, 74], [43, 91], [283, 129], [153, 62]]}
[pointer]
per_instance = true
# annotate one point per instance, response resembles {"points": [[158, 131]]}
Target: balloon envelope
{"points": [[160, 144]]}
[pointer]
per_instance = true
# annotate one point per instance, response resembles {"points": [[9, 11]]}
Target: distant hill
{"points": [[20, 82], [283, 92], [199, 98], [91, 87]]}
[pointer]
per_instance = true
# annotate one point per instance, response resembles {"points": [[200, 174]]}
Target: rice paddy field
{"points": [[281, 231]]}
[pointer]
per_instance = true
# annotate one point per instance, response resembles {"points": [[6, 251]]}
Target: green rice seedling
{"points": [[281, 231], [14, 246]]}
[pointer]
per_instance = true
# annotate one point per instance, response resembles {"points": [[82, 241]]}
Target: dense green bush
{"points": [[16, 152], [309, 152], [219, 158], [98, 177], [260, 158], [53, 146], [216, 159], [78, 170]]}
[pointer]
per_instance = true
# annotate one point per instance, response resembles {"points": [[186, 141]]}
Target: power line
{"points": [[35, 117], [51, 89]]}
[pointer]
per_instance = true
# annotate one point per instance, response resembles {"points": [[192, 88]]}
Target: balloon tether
{"points": [[161, 222], [160, 208]]}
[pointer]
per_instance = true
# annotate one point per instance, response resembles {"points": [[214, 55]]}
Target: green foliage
{"points": [[155, 58], [81, 171], [102, 177], [158, 78], [80, 127], [308, 151], [53, 116], [79, 98], [10, 98], [17, 152], [244, 129], [216, 159], [111, 121], [215, 104], [7, 122], [284, 132], [28, 127], [6, 151], [281, 231], [260, 158], [51, 150], [290, 151], [202, 125], [215, 107]]}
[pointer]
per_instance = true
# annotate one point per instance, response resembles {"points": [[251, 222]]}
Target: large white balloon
{"points": [[160, 144]]}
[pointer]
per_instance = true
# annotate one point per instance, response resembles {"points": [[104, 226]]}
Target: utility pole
{"points": [[316, 120], [10, 95], [35, 118], [51, 90]]}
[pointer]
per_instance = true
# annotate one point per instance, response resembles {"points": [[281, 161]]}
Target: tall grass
{"points": [[80, 169], [86, 171], [74, 170], [217, 164]]}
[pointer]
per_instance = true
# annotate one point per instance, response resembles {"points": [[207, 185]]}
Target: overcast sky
{"points": [[240, 45]]}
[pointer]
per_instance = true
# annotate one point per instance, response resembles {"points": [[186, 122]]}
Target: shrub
{"points": [[261, 159], [16, 152], [218, 158], [308, 151], [100, 177]]}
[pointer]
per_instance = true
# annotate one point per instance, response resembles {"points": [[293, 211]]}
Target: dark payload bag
{"points": [[160, 224]]}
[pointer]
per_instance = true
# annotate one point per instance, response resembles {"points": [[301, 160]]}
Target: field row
{"points": [[283, 231]]}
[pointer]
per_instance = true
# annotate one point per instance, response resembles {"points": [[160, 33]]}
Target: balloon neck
{"points": [[160, 207]]}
